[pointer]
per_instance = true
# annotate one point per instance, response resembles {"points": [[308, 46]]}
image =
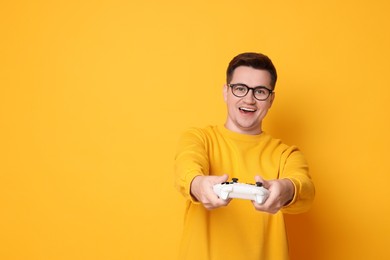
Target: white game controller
{"points": [[237, 190]]}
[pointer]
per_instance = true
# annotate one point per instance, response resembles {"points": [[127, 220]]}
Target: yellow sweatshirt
{"points": [[237, 231]]}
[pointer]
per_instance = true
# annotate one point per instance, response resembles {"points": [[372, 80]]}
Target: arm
{"points": [[192, 177], [293, 192]]}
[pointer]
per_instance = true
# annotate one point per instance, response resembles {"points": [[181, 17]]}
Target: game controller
{"points": [[236, 190]]}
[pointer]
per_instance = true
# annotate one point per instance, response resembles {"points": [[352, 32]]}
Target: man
{"points": [[234, 228]]}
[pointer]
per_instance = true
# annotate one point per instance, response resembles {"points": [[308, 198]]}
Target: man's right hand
{"points": [[202, 190]]}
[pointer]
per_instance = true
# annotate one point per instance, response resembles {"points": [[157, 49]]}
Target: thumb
{"points": [[223, 178], [265, 183]]}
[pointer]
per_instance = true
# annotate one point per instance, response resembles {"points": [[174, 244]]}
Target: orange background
{"points": [[94, 95]]}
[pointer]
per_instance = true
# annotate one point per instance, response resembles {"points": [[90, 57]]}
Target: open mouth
{"points": [[247, 110]]}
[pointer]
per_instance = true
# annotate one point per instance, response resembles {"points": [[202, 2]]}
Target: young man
{"points": [[240, 229]]}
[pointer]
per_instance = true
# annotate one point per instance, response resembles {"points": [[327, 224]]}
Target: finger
{"points": [[265, 208], [217, 203], [211, 196], [222, 178], [270, 204], [265, 183], [258, 178]]}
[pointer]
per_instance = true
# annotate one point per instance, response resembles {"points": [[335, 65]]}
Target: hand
{"points": [[202, 190], [281, 193]]}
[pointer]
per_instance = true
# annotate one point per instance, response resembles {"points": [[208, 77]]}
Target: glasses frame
{"points": [[270, 91]]}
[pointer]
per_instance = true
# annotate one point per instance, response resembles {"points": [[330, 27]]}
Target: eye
{"points": [[240, 88], [260, 91]]}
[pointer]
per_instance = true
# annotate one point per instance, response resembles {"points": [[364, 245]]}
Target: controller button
{"points": [[259, 184], [235, 180]]}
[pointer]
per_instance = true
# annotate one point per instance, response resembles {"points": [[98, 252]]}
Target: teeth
{"points": [[247, 109]]}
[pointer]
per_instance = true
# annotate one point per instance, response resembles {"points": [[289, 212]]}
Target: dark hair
{"points": [[254, 60]]}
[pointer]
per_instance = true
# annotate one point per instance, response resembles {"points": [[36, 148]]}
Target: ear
{"points": [[225, 92]]}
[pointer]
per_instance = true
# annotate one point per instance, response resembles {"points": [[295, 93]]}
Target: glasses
{"points": [[241, 90]]}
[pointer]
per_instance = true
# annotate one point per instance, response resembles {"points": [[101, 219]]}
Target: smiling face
{"points": [[245, 114]]}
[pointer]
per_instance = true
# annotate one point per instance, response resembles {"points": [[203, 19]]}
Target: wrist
{"points": [[290, 191], [194, 187]]}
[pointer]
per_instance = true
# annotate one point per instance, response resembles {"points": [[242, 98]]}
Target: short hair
{"points": [[254, 60]]}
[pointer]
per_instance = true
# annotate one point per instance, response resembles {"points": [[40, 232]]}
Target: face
{"points": [[245, 114]]}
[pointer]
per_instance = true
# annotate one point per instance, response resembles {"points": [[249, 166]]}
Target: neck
{"points": [[244, 130]]}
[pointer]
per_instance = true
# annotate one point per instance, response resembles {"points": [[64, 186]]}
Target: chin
{"points": [[249, 126]]}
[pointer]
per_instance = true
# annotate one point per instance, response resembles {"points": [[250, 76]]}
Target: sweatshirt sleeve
{"points": [[295, 168], [191, 160]]}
